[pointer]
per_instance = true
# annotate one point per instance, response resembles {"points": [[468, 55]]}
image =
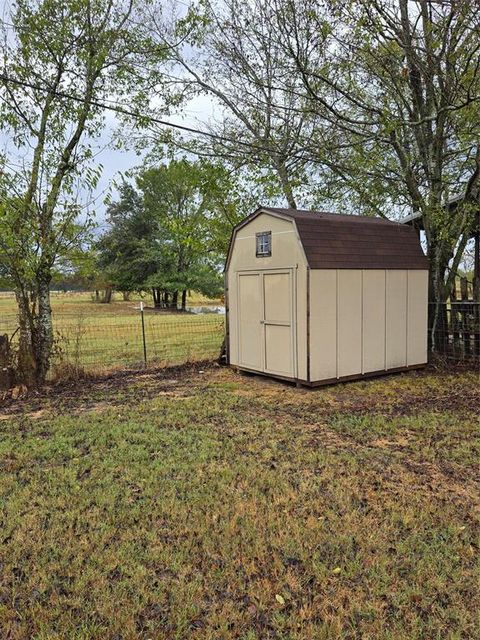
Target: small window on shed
{"points": [[264, 244]]}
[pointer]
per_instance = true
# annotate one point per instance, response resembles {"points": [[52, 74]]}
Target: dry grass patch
{"points": [[210, 506]]}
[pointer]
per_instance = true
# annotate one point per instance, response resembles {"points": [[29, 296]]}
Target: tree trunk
{"points": [[174, 302], [184, 299], [35, 334], [157, 297], [437, 296], [43, 342], [107, 298], [126, 295], [26, 366], [6, 372], [286, 186]]}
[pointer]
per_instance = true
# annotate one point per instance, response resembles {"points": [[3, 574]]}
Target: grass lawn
{"points": [[94, 336], [187, 504]]}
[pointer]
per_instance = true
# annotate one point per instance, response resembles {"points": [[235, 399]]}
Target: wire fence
{"points": [[100, 342], [93, 344], [456, 334]]}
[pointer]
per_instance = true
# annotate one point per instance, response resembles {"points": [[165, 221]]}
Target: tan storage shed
{"points": [[318, 297]]}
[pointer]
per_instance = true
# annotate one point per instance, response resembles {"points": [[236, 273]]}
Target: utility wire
{"points": [[127, 112]]}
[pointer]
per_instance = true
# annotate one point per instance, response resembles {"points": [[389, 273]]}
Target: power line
{"points": [[133, 114]]}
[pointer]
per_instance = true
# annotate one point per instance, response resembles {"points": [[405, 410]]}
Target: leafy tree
{"points": [[231, 54], [169, 234], [59, 60], [79, 269], [377, 101], [124, 255], [400, 81]]}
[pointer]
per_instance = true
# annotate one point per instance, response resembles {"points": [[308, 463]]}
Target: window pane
{"points": [[264, 246]]}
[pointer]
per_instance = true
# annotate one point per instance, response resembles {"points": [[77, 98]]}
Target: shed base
{"points": [[330, 381]]}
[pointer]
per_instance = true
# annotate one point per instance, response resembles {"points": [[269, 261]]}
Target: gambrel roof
{"points": [[338, 241]]}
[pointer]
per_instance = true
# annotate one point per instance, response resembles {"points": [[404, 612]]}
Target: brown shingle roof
{"points": [[337, 241]]}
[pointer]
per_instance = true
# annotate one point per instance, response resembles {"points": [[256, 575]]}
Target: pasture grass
{"points": [[207, 505], [91, 336]]}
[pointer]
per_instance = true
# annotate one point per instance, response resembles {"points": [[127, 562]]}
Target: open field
{"points": [[187, 504], [97, 336], [71, 301]]}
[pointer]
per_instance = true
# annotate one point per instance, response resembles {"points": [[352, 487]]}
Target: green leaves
{"points": [[167, 233], [61, 60]]}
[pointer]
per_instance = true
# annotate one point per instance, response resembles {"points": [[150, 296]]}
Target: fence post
{"points": [[143, 334]]}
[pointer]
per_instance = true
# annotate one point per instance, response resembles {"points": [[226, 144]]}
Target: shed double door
{"points": [[266, 331]]}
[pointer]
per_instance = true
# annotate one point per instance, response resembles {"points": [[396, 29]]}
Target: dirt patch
{"points": [[455, 401], [390, 396], [109, 390], [435, 479]]}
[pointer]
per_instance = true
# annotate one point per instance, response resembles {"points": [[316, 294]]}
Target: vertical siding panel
{"points": [[301, 324], [417, 317], [349, 322], [232, 317], [336, 326], [396, 316], [323, 324], [373, 320]]}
